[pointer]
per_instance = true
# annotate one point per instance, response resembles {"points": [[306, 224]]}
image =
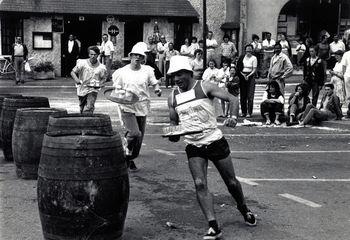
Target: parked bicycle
{"points": [[7, 69]]}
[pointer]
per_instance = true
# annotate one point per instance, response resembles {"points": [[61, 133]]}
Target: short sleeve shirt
{"points": [[346, 63], [87, 73], [107, 47], [136, 81]]}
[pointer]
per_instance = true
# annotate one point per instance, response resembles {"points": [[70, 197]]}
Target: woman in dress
{"points": [[337, 77]]}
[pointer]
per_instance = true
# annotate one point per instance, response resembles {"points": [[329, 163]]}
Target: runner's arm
{"points": [[174, 118]]}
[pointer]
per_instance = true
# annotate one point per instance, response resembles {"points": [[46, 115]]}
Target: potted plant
{"points": [[44, 70]]}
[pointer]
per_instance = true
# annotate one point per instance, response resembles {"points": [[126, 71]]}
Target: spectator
{"points": [[197, 64], [194, 46], [346, 70], [211, 74], [223, 75], [308, 44], [150, 61], [336, 45], [228, 50], [152, 47], [314, 74], [19, 56], [271, 107], [323, 50], [201, 44], [70, 55], [280, 67], [186, 48], [268, 48], [286, 48], [300, 49], [337, 77], [89, 75], [297, 103], [212, 44], [161, 47], [107, 53], [329, 109], [232, 85], [246, 68], [169, 53], [257, 52]]}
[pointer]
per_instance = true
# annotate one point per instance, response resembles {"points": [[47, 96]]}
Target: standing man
{"points": [[169, 53], [280, 67], [71, 54], [135, 78], [268, 50], [161, 47], [191, 104], [19, 56], [346, 70], [89, 75], [212, 44], [107, 50]]}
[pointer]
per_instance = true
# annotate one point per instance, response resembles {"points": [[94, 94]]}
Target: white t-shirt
{"points": [[136, 81], [266, 43], [249, 63], [346, 62], [107, 47], [185, 50], [337, 46]]}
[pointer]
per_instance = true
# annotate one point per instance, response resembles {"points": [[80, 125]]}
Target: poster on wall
{"points": [[42, 40]]}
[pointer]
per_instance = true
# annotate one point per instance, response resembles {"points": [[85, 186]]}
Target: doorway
{"points": [[182, 30], [133, 33], [11, 27], [88, 30]]}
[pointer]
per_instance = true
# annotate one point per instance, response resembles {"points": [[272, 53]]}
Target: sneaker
{"points": [[212, 234], [249, 115], [277, 122], [132, 166], [250, 219], [268, 122]]}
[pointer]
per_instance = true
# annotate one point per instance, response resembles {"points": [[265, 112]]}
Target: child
{"points": [[232, 84]]}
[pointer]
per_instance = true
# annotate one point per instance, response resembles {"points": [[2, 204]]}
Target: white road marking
{"points": [[300, 200], [286, 152], [298, 179], [308, 135], [247, 181], [165, 152]]}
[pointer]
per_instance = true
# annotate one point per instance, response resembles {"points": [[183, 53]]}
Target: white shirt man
{"points": [[346, 70]]}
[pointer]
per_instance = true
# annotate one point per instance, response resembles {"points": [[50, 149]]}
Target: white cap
{"points": [[178, 63], [139, 48]]}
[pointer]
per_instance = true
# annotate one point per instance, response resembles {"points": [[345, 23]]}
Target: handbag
{"points": [[27, 67]]}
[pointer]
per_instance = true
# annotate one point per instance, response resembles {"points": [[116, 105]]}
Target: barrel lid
{"points": [[82, 115], [80, 132], [41, 110]]}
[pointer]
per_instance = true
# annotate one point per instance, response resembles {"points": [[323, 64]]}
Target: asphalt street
{"points": [[296, 180]]}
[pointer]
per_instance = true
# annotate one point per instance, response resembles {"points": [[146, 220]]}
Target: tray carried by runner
{"points": [[179, 130], [94, 83], [121, 96]]}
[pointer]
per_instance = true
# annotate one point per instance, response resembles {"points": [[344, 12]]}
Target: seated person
{"points": [[232, 85], [297, 103], [329, 109], [271, 106]]}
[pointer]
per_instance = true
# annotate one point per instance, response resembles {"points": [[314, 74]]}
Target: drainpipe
{"points": [[243, 25]]}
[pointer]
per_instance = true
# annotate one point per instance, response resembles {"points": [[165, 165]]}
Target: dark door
{"points": [[182, 30], [10, 28], [133, 33], [88, 31]]}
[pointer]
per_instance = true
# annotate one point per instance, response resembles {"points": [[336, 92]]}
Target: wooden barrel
{"points": [[28, 132], [2, 97], [9, 108], [83, 187], [75, 123]]}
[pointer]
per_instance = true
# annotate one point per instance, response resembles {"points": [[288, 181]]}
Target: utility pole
{"points": [[204, 34]]}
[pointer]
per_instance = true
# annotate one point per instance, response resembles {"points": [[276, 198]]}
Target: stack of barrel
{"points": [[83, 183]]}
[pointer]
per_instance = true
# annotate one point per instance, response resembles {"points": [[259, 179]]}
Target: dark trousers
{"points": [[71, 61], [314, 87], [271, 108], [247, 90], [87, 102], [135, 130]]}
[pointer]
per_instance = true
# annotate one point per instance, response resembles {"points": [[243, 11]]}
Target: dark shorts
{"points": [[215, 151]]}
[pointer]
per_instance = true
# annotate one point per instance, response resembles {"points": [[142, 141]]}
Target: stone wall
{"points": [[42, 24], [262, 16]]}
